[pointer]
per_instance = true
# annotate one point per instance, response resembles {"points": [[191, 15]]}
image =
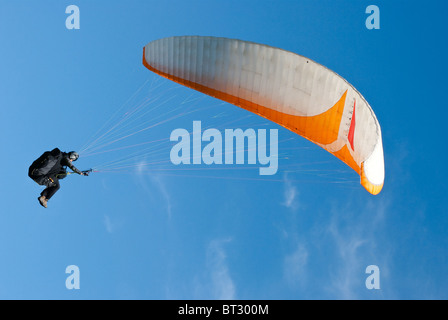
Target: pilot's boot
{"points": [[43, 201]]}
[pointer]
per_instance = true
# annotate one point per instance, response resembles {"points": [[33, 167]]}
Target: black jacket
{"points": [[60, 169]]}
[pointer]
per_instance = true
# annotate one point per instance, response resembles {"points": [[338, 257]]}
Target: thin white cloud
{"points": [[295, 261], [142, 173], [112, 224], [140, 168], [108, 224], [158, 182], [222, 284], [295, 265], [353, 236], [343, 282], [290, 194]]}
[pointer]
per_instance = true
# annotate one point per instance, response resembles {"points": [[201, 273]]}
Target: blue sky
{"points": [[220, 234]]}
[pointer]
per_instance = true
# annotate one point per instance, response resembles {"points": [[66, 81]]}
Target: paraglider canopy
{"points": [[286, 88]]}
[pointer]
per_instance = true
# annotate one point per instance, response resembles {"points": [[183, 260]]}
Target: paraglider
{"points": [[286, 88], [51, 167]]}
